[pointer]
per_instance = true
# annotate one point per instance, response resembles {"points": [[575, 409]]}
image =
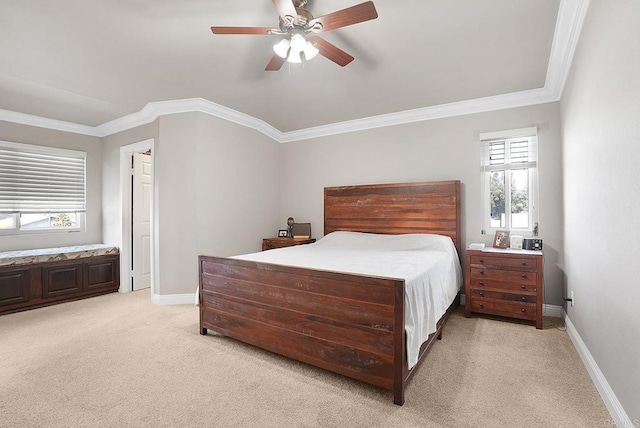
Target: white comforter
{"points": [[429, 265]]}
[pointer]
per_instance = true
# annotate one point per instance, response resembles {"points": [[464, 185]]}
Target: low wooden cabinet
{"points": [[271, 243], [504, 282], [40, 284]]}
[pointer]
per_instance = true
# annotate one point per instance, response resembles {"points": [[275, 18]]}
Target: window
{"points": [[42, 189], [509, 180]]}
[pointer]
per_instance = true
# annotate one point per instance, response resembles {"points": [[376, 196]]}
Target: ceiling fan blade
{"points": [[242, 30], [275, 64], [331, 52], [349, 16], [286, 8]]}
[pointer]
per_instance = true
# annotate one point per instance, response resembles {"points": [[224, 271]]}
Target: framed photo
{"points": [[283, 233], [501, 239], [515, 242]]}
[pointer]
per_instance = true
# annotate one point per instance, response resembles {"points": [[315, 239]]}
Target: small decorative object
{"points": [[283, 233], [501, 239], [301, 230], [290, 222], [515, 242]]}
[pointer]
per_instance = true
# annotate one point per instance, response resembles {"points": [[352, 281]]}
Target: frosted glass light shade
{"points": [[282, 48], [310, 51], [298, 43], [294, 57]]}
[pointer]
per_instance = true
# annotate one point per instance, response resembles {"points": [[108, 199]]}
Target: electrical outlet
{"points": [[573, 299]]}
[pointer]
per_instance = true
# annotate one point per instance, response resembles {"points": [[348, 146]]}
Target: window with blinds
{"points": [[41, 188], [509, 177]]}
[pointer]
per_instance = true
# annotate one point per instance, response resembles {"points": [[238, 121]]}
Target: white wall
{"points": [[92, 146], [443, 149], [601, 137], [217, 186]]}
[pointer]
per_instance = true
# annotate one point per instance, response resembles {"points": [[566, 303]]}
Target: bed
{"points": [[350, 323]]}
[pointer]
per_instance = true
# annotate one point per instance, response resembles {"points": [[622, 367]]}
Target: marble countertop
{"points": [[41, 255]]}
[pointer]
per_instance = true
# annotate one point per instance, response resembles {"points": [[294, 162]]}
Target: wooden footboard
{"points": [[346, 323]]}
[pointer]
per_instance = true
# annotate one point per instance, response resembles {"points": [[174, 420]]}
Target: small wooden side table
{"points": [[271, 243]]}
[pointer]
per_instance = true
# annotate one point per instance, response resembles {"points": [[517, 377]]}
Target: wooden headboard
{"points": [[429, 207]]}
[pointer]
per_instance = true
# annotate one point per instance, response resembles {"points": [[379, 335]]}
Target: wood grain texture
{"points": [[346, 323], [429, 207]]}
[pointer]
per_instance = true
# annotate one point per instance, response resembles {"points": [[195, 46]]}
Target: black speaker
{"points": [[532, 244]]}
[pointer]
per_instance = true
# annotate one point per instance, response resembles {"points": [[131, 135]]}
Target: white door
{"points": [[141, 221]]}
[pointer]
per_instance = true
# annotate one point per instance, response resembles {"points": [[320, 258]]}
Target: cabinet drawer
{"points": [[488, 283], [498, 295], [502, 262], [503, 308], [503, 275]]}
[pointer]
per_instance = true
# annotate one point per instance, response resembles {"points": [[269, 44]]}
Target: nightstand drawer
{"points": [[504, 263], [482, 282], [503, 275], [507, 309], [498, 295]]}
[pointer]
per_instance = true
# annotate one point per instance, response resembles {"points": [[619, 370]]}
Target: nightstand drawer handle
{"points": [[482, 294], [481, 260], [481, 272], [523, 310], [481, 305], [524, 275], [481, 283], [524, 263], [524, 299]]}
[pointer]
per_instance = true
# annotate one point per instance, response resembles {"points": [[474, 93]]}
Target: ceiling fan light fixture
{"points": [[282, 48], [310, 51], [298, 43], [294, 57]]}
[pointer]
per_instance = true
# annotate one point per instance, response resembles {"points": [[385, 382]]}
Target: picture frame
{"points": [[501, 239], [515, 242], [283, 233]]}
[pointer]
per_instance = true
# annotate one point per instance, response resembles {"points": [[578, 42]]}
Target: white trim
{"points": [[552, 311], [571, 15], [173, 299], [616, 411], [125, 217]]}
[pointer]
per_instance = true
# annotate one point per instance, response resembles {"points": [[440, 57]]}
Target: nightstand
{"points": [[271, 243], [504, 282]]}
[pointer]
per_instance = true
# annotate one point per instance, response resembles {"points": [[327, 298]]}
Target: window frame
{"points": [[532, 165], [80, 214]]}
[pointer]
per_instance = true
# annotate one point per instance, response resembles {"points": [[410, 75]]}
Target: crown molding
{"points": [[44, 122], [571, 15]]}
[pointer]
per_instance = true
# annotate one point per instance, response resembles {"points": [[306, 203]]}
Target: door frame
{"points": [[126, 153]]}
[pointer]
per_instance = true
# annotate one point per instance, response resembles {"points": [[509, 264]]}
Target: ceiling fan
{"points": [[299, 28]]}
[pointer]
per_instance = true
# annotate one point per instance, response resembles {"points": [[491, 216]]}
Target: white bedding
{"points": [[429, 265]]}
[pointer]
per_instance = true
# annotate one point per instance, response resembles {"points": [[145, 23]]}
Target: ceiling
{"points": [[92, 62]]}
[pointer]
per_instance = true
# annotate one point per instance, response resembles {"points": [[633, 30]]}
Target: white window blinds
{"points": [[37, 179], [502, 152]]}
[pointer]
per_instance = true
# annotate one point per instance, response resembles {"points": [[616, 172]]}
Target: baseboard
{"points": [[173, 299], [616, 411], [552, 311]]}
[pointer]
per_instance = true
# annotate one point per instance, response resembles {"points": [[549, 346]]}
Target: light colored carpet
{"points": [[120, 361]]}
